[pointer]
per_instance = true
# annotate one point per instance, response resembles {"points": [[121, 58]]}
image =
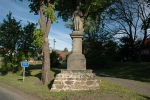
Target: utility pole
{"points": [[54, 45]]}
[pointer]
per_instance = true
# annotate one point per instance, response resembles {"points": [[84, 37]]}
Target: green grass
{"points": [[129, 70], [33, 86]]}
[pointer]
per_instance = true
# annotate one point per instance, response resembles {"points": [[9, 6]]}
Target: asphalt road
{"points": [[9, 95]]}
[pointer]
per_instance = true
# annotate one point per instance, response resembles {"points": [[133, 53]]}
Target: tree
{"points": [[46, 10], [132, 18], [126, 50], [65, 50], [11, 32], [16, 41], [90, 8], [25, 43]]}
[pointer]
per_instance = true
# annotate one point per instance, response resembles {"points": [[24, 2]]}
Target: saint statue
{"points": [[77, 20]]}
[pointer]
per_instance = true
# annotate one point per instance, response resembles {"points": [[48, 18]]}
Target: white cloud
{"points": [[24, 19]]}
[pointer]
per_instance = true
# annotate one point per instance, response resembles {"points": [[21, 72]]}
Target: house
{"points": [[63, 55], [145, 53]]}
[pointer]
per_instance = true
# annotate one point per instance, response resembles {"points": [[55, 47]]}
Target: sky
{"points": [[20, 11]]}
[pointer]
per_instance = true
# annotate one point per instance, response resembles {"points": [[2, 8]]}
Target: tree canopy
{"points": [[16, 42]]}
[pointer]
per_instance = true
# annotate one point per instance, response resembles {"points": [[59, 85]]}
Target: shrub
{"points": [[12, 63], [54, 59]]}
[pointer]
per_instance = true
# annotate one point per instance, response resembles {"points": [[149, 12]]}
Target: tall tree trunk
{"points": [[45, 63], [45, 47]]}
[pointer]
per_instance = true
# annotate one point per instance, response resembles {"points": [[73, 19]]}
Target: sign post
{"points": [[24, 64]]}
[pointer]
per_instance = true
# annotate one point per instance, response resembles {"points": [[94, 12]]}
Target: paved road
{"points": [[140, 87], [8, 95]]}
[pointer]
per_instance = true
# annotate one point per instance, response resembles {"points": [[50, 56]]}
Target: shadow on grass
{"points": [[35, 66], [146, 97], [39, 75], [20, 80], [50, 84], [127, 70], [3, 73], [56, 71]]}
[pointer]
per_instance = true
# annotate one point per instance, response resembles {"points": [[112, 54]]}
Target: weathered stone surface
{"points": [[76, 83], [91, 78], [86, 81], [60, 78], [76, 62], [77, 34], [69, 82], [57, 82], [66, 71], [59, 86], [90, 82], [71, 78]]}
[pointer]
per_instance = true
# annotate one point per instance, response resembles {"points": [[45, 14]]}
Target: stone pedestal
{"points": [[75, 77], [70, 80], [76, 60]]}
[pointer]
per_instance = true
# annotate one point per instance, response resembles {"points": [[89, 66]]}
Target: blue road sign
{"points": [[25, 64]]}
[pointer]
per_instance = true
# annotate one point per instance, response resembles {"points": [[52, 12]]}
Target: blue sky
{"points": [[20, 11]]}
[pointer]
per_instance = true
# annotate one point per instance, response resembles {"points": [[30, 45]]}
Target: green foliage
{"points": [[12, 63], [49, 11], [26, 41], [38, 34], [54, 56], [65, 8], [101, 54], [16, 42], [65, 50], [10, 32]]}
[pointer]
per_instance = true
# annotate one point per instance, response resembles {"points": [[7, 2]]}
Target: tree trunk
{"points": [[45, 63], [45, 47]]}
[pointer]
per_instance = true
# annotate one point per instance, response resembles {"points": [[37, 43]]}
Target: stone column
{"points": [[76, 61]]}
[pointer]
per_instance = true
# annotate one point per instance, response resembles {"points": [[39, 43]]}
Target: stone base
{"points": [[76, 62], [75, 80]]}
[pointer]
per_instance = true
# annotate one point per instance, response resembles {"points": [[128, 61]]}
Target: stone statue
{"points": [[77, 20]]}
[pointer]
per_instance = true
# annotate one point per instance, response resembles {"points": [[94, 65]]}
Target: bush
{"points": [[12, 63], [54, 59]]}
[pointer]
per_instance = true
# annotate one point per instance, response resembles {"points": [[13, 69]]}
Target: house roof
{"points": [[63, 54], [146, 43]]}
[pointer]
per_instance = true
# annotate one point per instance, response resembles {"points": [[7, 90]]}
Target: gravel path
{"points": [[140, 87]]}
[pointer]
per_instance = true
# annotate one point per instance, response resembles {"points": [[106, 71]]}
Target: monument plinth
{"points": [[76, 77], [76, 60]]}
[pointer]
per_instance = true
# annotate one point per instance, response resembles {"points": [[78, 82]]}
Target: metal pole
{"points": [[23, 73]]}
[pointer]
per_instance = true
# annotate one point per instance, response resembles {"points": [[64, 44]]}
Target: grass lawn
{"points": [[129, 70], [33, 86]]}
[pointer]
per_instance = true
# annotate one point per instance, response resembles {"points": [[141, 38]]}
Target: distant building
{"points": [[145, 53], [63, 55]]}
